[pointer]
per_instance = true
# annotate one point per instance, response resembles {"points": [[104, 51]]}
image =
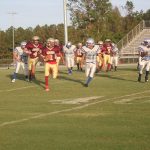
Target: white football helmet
{"points": [[23, 43], [69, 44], [90, 41]]}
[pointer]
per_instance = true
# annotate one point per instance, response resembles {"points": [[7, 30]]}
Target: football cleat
{"points": [[13, 80], [146, 79], [46, 88], [85, 85]]}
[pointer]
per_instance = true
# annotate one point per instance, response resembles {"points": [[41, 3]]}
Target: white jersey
{"points": [[91, 54], [21, 54], [115, 51], [69, 52], [142, 48]]}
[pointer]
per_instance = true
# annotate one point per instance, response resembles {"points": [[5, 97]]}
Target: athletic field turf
{"points": [[113, 113]]}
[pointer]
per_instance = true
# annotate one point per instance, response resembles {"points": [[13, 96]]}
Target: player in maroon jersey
{"points": [[33, 49], [59, 52], [79, 58], [106, 51], [50, 57]]}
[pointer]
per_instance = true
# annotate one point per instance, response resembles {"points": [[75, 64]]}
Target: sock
{"points": [[108, 67], [139, 78], [14, 75], [78, 66], [89, 79], [30, 76], [69, 70], [146, 76], [46, 81]]}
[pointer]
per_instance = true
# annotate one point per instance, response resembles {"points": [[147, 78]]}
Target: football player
{"points": [[33, 49], [107, 48], [114, 57], [50, 57], [21, 59], [144, 60], [58, 52], [79, 55], [100, 59], [69, 54], [90, 52]]}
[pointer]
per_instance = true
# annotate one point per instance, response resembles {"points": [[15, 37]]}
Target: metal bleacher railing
{"points": [[131, 35], [129, 43]]}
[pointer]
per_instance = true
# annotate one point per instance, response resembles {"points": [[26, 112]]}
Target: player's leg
{"points": [[90, 73], [68, 64], [78, 63], [16, 71], [116, 62], [104, 62], [47, 69], [81, 64], [72, 63], [108, 63], [58, 61], [147, 71], [35, 61], [141, 67], [30, 62], [54, 71]]}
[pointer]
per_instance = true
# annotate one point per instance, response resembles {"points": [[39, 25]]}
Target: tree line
{"points": [[89, 18]]}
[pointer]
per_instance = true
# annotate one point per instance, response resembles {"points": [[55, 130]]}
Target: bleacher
{"points": [[128, 46]]}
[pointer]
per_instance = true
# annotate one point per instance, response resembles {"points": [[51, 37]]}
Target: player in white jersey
{"points": [[114, 57], [90, 52], [69, 54], [21, 60], [144, 60]]}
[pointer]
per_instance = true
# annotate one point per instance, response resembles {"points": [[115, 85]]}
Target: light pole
{"points": [[65, 22], [13, 29]]}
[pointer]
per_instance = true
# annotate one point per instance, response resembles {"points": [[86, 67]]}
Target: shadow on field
{"points": [[21, 77], [117, 77], [70, 79]]}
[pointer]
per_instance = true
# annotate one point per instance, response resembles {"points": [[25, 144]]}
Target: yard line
{"points": [[66, 110], [18, 88]]}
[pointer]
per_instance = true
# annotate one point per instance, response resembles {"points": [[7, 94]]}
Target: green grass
{"points": [[120, 120]]}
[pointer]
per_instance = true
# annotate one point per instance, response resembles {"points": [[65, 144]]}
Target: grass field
{"points": [[113, 113]]}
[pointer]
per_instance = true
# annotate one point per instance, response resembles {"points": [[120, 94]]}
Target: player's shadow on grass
{"points": [[39, 83], [70, 79], [21, 77], [115, 77]]}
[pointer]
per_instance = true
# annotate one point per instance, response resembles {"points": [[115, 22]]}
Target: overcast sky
{"points": [[30, 13]]}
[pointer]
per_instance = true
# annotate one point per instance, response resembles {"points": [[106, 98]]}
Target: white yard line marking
{"points": [[66, 110], [75, 101], [20, 88], [127, 100]]}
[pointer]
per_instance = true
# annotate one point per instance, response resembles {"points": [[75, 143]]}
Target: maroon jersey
{"points": [[58, 50], [50, 53], [79, 52], [107, 48], [34, 50]]}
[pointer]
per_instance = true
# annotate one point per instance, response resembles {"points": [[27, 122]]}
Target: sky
{"points": [[30, 13]]}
